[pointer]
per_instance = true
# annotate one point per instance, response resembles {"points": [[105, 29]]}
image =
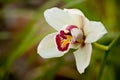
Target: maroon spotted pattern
{"points": [[59, 37]]}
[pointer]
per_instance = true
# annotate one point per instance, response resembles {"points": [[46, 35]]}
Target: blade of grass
{"points": [[72, 3], [27, 37], [31, 30]]}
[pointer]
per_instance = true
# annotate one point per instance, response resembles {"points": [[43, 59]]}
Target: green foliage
{"points": [[22, 44]]}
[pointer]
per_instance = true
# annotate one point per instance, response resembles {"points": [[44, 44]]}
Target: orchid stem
{"points": [[107, 51], [113, 42], [103, 65], [100, 46]]}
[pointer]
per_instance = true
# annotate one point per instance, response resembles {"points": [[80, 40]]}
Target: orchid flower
{"points": [[74, 31]]}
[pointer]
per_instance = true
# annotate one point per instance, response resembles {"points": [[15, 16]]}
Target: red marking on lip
{"points": [[62, 34], [70, 27], [59, 41], [63, 39]]}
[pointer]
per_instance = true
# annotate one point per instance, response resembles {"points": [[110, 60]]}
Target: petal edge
{"points": [[82, 57], [94, 31], [57, 18], [47, 47]]}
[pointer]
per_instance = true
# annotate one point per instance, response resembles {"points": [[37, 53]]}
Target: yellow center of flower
{"points": [[66, 41]]}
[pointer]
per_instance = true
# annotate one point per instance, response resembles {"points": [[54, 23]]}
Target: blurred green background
{"points": [[22, 26]]}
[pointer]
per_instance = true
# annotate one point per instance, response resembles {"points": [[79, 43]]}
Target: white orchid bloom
{"points": [[74, 31]]}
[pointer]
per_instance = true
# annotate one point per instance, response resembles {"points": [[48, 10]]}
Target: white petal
{"points": [[74, 11], [77, 16], [94, 31], [57, 18], [82, 57], [47, 47]]}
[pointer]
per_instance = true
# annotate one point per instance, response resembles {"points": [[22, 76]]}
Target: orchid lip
{"points": [[71, 35], [63, 40]]}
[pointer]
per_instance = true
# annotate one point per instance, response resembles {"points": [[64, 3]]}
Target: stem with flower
{"points": [[74, 31], [107, 51]]}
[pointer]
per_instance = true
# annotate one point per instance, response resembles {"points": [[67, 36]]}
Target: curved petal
{"points": [[94, 31], [74, 11], [82, 57], [77, 16], [57, 18], [47, 47]]}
